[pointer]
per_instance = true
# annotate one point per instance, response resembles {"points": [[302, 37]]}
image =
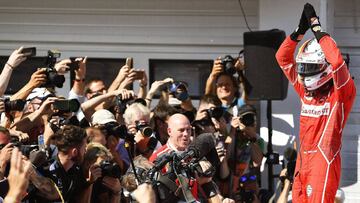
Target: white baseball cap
{"points": [[102, 116]]}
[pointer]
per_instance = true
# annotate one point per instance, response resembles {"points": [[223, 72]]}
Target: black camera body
{"points": [[14, 105], [122, 104], [215, 112], [248, 119], [247, 115], [115, 129], [74, 65], [67, 106], [229, 64], [53, 79], [25, 149], [110, 169]]}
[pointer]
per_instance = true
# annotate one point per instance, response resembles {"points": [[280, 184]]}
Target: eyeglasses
{"points": [[100, 91]]}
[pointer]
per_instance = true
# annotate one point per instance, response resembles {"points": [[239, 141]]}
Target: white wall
{"points": [[142, 29]]}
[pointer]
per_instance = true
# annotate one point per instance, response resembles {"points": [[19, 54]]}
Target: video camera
{"points": [[53, 79]]}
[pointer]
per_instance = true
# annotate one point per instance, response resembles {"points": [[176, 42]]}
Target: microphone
{"points": [[161, 161], [200, 147]]}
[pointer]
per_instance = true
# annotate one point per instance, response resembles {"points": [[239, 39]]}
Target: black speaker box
{"points": [[262, 70]]}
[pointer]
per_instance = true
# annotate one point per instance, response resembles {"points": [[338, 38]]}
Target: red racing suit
{"points": [[322, 119]]}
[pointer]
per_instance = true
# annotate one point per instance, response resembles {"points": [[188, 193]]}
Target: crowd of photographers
{"points": [[106, 144]]}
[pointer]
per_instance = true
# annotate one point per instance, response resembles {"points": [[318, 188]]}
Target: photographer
{"points": [[137, 120], [210, 118], [178, 97], [224, 85], [157, 86], [245, 153], [37, 122], [107, 188], [210, 109], [44, 188], [97, 103], [112, 135]]}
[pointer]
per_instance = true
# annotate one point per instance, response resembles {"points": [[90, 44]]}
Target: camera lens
{"points": [[248, 119], [216, 112], [229, 64], [15, 105]]}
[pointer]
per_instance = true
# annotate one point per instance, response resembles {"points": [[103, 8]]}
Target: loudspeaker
{"points": [[262, 70]]}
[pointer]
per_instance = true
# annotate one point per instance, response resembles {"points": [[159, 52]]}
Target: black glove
{"points": [[297, 35], [309, 12], [313, 21]]}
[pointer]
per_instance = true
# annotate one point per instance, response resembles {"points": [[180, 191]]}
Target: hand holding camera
{"points": [[79, 66], [227, 64], [94, 173], [217, 67], [157, 85], [38, 78], [5, 154]]}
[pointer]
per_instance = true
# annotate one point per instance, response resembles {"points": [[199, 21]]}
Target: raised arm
{"points": [[14, 61], [341, 75]]}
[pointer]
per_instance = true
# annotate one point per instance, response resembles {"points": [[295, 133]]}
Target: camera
{"points": [[290, 155], [67, 106], [25, 149], [74, 65], [247, 115], [229, 64], [215, 112], [29, 51], [122, 104], [115, 129], [248, 119], [110, 169], [144, 128], [179, 90], [52, 77], [14, 105]]}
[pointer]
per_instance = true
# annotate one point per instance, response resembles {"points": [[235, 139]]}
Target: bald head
{"points": [[179, 130], [176, 119]]}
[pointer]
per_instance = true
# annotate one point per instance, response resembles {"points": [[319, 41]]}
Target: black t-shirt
{"points": [[70, 182]]}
